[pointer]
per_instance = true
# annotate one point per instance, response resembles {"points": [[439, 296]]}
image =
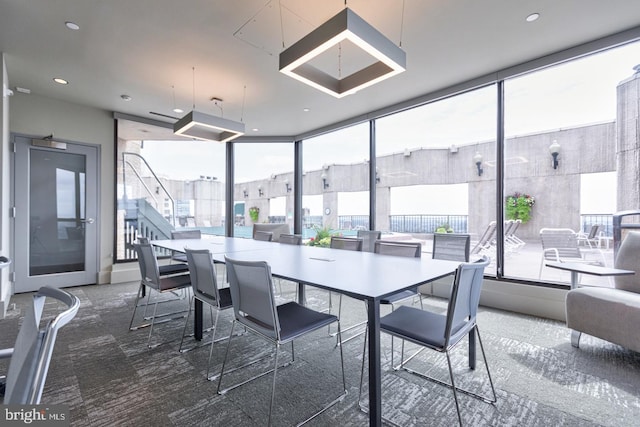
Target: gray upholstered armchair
{"points": [[612, 314]]}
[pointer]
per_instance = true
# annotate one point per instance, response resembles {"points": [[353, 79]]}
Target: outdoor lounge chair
{"points": [[561, 245], [485, 244]]}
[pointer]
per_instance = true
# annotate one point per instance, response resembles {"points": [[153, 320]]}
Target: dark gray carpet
{"points": [[107, 375]]}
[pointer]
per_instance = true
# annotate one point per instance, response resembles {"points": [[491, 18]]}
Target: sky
{"points": [[576, 93]]}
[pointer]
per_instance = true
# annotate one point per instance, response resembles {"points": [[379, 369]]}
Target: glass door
{"points": [[55, 214]]}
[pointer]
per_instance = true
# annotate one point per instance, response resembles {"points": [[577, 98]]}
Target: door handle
{"points": [[88, 220]]}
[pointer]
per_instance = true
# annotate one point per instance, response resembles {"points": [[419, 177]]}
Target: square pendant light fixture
{"points": [[345, 26], [208, 128]]}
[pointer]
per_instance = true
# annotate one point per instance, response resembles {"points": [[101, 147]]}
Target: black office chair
{"points": [[31, 354], [442, 331], [181, 235], [255, 308], [450, 247], [348, 244], [151, 279], [265, 236], [289, 239], [369, 238], [205, 288]]}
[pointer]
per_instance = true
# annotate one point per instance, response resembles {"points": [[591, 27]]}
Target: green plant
{"points": [[254, 213], [444, 228], [519, 206], [322, 237]]}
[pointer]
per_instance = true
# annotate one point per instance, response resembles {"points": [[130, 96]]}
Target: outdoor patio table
{"points": [[594, 270]]}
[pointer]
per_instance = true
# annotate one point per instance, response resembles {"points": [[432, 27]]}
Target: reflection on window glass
{"points": [[563, 144], [263, 185], [66, 193], [428, 179], [336, 182]]}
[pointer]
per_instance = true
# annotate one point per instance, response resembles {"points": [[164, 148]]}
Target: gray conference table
{"points": [[361, 275]]}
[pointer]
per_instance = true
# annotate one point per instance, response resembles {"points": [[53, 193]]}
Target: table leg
{"points": [[375, 383], [302, 298], [574, 279], [472, 349], [197, 320]]}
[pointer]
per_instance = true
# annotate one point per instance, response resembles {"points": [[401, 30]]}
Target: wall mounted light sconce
{"points": [[325, 184], [377, 176], [245, 193], [407, 152], [260, 192], [287, 186], [477, 159], [554, 149]]}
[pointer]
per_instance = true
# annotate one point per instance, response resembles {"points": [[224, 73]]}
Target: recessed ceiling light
{"points": [[306, 110], [60, 81], [533, 17], [72, 25], [178, 110], [126, 97]]}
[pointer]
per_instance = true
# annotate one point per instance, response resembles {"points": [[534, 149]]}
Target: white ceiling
{"points": [[142, 48]]}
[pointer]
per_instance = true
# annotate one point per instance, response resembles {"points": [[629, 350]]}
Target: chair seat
{"points": [[391, 299], [173, 269], [422, 327], [179, 257], [174, 282], [297, 320]]}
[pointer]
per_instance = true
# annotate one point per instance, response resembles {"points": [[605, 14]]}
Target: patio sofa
{"points": [[612, 314]]}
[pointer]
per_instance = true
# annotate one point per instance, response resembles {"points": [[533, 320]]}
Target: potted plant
{"points": [[519, 206], [322, 237], [444, 228], [254, 213]]}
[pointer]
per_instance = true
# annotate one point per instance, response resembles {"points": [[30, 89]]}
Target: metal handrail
{"points": [[124, 186]]}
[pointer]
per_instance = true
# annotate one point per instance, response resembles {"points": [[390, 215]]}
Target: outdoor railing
{"points": [[427, 223], [604, 220]]}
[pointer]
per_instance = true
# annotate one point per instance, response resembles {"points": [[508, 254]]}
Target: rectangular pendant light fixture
{"points": [[346, 25], [208, 128]]}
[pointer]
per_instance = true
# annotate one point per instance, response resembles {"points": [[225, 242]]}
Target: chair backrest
{"points": [[509, 227], [143, 239], [451, 247], [563, 240], [405, 249], [33, 348], [149, 270], [252, 296], [346, 243], [593, 232], [276, 229], [291, 239], [464, 300], [203, 275], [265, 236], [486, 238], [628, 258], [186, 234], [369, 238]]}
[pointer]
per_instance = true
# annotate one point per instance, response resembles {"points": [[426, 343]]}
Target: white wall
{"points": [[5, 250], [35, 115]]}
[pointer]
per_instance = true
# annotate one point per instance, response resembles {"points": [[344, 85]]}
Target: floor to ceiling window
{"points": [[428, 179], [336, 181], [263, 185], [164, 183], [563, 145]]}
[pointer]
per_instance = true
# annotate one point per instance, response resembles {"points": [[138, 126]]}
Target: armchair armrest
{"points": [[6, 353]]}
